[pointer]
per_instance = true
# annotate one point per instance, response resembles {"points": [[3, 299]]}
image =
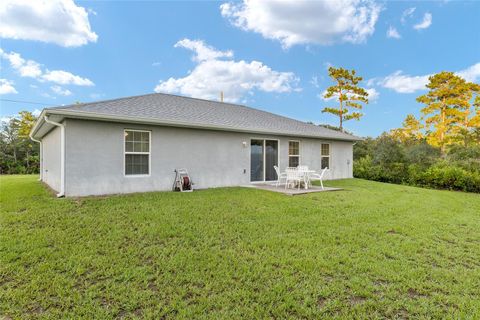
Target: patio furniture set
{"points": [[296, 176]]}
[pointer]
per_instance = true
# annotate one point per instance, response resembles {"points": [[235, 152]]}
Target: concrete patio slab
{"points": [[290, 191]]}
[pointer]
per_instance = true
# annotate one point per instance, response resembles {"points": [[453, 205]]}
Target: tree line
{"points": [[18, 154], [440, 149]]}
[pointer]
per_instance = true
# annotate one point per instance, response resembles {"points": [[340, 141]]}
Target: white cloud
{"points": [[295, 22], [53, 21], [425, 23], [46, 95], [393, 33], [371, 82], [373, 95], [202, 51], [471, 74], [32, 69], [403, 83], [36, 112], [314, 82], [60, 91], [407, 14], [65, 77], [26, 68], [234, 78], [6, 87]]}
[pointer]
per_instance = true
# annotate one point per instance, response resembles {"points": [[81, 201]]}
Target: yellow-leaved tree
{"points": [[411, 130], [447, 103]]}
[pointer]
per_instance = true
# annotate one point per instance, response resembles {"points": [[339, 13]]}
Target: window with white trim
{"points": [[137, 152], [293, 153], [325, 155]]}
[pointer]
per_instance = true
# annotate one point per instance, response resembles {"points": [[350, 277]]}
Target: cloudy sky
{"points": [[270, 55]]}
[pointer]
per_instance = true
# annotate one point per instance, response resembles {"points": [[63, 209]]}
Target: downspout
{"points": [[62, 152], [40, 155]]}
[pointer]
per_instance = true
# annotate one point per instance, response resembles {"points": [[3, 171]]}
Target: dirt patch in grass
{"points": [[321, 301], [354, 300], [414, 294], [152, 286], [402, 314]]}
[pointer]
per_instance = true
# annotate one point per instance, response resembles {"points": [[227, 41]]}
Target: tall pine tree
{"points": [[348, 94], [446, 104]]}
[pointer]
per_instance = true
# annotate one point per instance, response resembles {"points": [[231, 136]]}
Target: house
{"points": [[134, 144]]}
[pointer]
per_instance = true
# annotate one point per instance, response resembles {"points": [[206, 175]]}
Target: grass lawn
{"points": [[373, 250]]}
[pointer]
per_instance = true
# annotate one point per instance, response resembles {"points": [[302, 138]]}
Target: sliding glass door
{"points": [[263, 156], [271, 159]]}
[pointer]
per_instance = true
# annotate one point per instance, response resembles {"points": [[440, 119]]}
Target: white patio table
{"points": [[306, 176]]}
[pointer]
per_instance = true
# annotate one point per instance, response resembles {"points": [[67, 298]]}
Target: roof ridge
{"points": [[150, 94], [102, 101]]}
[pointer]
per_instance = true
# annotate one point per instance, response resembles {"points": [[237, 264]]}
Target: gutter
{"points": [[40, 156], [62, 152]]}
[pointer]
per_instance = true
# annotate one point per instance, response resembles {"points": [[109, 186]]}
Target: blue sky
{"points": [[268, 55]]}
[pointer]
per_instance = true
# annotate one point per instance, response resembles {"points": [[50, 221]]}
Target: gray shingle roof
{"points": [[173, 109]]}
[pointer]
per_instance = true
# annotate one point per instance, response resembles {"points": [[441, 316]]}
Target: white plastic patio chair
{"points": [[280, 176], [293, 176], [304, 171], [318, 176]]}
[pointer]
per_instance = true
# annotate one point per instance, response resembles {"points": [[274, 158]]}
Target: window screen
{"points": [[293, 153], [325, 155], [137, 152]]}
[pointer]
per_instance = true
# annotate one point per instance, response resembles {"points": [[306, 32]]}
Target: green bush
{"points": [[464, 152], [417, 163], [441, 175], [466, 157], [422, 154], [366, 168], [446, 176]]}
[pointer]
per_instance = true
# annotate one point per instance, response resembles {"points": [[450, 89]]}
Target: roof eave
{"points": [[105, 117], [38, 123]]}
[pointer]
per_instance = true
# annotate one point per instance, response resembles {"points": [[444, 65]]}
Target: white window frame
{"points": [[294, 155], [264, 157], [125, 152], [324, 156]]}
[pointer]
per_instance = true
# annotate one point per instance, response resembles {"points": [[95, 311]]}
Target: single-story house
{"points": [[134, 144]]}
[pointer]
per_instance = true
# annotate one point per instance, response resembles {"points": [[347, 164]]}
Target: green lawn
{"points": [[372, 250]]}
